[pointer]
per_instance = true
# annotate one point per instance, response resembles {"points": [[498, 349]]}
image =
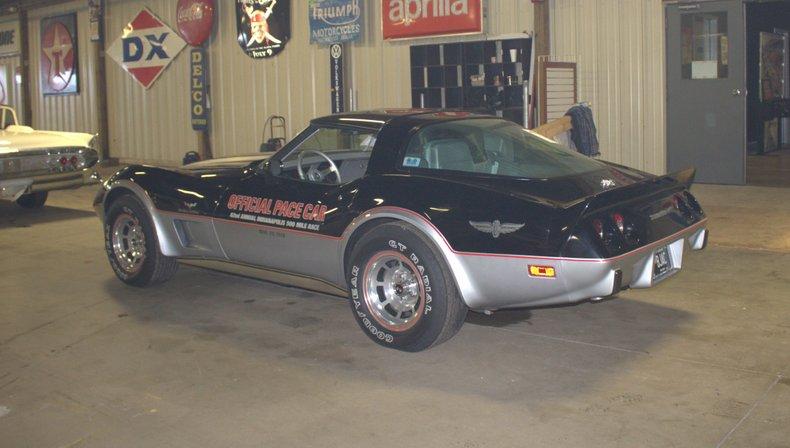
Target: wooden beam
{"points": [[98, 8], [554, 128], [542, 28], [27, 96]]}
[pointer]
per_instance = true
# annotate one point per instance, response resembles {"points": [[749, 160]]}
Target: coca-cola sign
{"points": [[422, 18], [195, 18]]}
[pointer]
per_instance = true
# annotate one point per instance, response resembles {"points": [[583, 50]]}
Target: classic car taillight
{"points": [[74, 161], [64, 161]]}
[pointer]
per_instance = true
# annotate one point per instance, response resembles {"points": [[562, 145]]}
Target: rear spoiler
{"points": [[685, 177], [649, 187]]}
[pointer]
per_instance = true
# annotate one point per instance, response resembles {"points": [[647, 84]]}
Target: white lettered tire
{"points": [[402, 294], [132, 245]]}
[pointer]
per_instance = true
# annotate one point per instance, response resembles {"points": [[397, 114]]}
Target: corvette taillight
{"points": [[692, 202], [683, 206], [619, 221], [74, 161], [64, 161], [598, 226]]}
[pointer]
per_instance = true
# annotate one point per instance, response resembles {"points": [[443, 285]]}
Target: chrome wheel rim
{"points": [[128, 243], [394, 291]]}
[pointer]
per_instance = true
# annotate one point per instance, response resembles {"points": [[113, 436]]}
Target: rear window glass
{"points": [[492, 147]]}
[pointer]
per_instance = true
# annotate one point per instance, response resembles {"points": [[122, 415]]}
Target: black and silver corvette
{"points": [[417, 216]]}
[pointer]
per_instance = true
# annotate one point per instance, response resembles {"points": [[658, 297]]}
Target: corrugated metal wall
{"points": [[619, 48], [295, 84], [244, 91], [380, 69], [13, 91], [64, 112], [154, 124]]}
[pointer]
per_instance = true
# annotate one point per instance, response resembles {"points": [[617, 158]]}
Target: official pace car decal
{"points": [[276, 212]]}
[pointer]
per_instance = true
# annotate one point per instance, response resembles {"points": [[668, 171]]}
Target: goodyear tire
{"points": [[132, 246], [401, 292], [33, 200]]}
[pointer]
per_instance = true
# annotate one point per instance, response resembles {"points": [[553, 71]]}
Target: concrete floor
{"points": [[769, 170], [216, 360]]}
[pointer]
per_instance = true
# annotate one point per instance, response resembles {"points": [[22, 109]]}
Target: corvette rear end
{"points": [[629, 237]]}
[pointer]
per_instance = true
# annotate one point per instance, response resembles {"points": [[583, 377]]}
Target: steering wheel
{"points": [[314, 174]]}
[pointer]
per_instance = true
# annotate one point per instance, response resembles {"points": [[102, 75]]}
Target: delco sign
{"points": [[403, 19], [146, 47]]}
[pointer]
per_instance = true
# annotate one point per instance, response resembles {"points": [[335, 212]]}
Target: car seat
{"points": [[450, 154]]}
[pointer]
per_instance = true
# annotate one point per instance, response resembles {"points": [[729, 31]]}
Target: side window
{"points": [[331, 156], [336, 142], [446, 148]]}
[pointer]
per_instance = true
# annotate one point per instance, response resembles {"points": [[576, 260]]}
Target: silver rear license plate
{"points": [[662, 262]]}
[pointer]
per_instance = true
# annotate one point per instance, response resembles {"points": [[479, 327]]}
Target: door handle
{"points": [[736, 92]]}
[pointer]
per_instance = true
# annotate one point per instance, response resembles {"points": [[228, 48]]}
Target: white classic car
{"points": [[32, 162]]}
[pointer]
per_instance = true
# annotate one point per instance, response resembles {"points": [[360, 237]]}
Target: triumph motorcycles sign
{"points": [[335, 21], [146, 47], [403, 19]]}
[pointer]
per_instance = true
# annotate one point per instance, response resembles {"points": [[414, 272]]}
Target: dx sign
{"points": [[147, 47]]}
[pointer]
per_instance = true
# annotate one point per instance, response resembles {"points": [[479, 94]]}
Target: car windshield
{"points": [[492, 147]]}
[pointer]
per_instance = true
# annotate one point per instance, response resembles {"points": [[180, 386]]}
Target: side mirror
{"points": [[270, 166]]}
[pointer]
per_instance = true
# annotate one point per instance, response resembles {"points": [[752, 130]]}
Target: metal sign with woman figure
{"points": [[264, 26]]}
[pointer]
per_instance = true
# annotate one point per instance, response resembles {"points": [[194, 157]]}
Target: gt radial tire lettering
{"points": [[425, 280], [381, 335]]}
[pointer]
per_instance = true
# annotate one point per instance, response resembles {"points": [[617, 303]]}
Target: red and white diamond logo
{"points": [[146, 47]]}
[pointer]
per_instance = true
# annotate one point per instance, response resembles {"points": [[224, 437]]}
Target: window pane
{"points": [[492, 147], [704, 45], [331, 140]]}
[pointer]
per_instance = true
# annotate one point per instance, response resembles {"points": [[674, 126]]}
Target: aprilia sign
{"points": [[422, 18]]}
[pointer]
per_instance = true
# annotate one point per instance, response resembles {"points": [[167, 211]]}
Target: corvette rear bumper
{"points": [[496, 282]]}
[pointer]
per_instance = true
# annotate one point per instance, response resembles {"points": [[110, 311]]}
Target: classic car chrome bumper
{"points": [[496, 282], [15, 187]]}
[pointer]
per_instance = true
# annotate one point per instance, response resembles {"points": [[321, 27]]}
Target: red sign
{"points": [[58, 55], [195, 19], [421, 18]]}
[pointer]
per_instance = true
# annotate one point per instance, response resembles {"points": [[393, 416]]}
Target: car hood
{"points": [[20, 139], [227, 162]]}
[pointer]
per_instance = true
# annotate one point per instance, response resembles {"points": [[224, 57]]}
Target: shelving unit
{"points": [[477, 76]]}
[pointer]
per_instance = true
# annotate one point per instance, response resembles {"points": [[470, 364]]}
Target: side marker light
{"points": [[542, 271]]}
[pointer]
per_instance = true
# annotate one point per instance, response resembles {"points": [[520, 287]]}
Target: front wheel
{"points": [[403, 295], [33, 200], [132, 245]]}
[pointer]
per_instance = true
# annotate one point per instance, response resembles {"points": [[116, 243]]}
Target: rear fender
{"points": [[468, 290]]}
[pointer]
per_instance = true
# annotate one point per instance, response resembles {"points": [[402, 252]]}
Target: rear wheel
{"points": [[132, 246], [33, 200], [402, 294]]}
